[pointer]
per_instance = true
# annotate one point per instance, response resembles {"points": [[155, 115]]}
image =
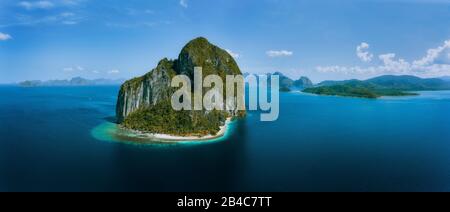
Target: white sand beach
{"points": [[171, 138]]}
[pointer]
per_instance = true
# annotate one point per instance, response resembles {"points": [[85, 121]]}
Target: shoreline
{"points": [[173, 138]]}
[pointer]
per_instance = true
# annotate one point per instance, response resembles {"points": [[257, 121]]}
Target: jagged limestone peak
{"points": [[144, 102], [214, 60], [304, 82]]}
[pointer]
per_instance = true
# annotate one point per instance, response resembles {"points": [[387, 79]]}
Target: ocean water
{"points": [[56, 139]]}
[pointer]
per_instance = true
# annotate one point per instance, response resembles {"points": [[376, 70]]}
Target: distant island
{"points": [[76, 81], [144, 103], [387, 85], [287, 84]]}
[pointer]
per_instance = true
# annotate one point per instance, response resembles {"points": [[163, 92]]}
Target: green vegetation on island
{"points": [[162, 119], [355, 90], [144, 102], [387, 85]]}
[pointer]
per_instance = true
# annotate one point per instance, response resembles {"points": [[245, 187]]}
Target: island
{"points": [[287, 84], [303, 82], [387, 85], [144, 103], [75, 82]]}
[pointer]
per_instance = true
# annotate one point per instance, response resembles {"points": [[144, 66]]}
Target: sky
{"points": [[323, 40]]}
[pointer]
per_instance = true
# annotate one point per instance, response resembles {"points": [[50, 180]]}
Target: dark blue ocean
{"points": [[51, 139]]}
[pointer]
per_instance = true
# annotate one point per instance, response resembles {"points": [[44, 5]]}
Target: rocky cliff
{"points": [[153, 89], [303, 82], [146, 90]]}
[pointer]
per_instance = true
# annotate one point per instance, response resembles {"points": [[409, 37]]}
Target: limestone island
{"points": [[386, 85], [144, 103]]}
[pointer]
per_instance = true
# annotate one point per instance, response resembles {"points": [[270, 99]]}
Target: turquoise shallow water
{"points": [[56, 139], [111, 132]]}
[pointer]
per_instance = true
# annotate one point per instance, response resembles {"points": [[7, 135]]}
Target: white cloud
{"points": [[67, 14], [4, 37], [432, 54], [48, 4], [362, 53], [36, 5], [32, 18], [73, 69], [68, 69], [96, 72], [342, 69], [69, 22], [233, 54], [279, 53], [71, 2], [184, 3], [390, 64], [65, 18], [115, 71]]}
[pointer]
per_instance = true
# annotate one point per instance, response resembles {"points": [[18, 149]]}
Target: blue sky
{"points": [[58, 39]]}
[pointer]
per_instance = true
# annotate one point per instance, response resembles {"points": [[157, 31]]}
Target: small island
{"points": [[387, 85], [74, 82], [287, 84], [144, 103]]}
